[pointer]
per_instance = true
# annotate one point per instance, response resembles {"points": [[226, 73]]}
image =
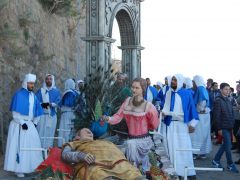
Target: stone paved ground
{"points": [[214, 175], [201, 175]]}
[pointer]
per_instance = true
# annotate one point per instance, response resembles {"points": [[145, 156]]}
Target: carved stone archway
{"points": [[99, 21]]}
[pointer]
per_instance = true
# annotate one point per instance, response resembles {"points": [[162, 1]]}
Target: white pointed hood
{"points": [[160, 84], [199, 80], [180, 80], [169, 79], [53, 82], [28, 78], [69, 84], [188, 82]]}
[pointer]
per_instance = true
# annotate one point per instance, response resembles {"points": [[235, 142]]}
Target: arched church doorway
{"points": [[100, 18]]}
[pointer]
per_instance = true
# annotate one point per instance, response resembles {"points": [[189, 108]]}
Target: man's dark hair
{"points": [[232, 89], [147, 79], [211, 80], [223, 85], [214, 83]]}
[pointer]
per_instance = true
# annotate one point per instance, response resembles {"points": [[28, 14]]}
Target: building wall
{"points": [[34, 40]]}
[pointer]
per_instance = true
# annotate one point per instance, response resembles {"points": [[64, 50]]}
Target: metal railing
{"points": [[199, 169], [192, 168], [63, 139], [36, 149]]}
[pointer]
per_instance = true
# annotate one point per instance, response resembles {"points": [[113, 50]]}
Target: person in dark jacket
{"points": [[213, 94], [224, 117], [236, 129]]}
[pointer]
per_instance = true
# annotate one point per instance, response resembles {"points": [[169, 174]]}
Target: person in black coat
{"points": [[224, 117]]}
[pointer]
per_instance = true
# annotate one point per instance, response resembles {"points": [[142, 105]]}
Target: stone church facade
{"points": [[39, 38]]}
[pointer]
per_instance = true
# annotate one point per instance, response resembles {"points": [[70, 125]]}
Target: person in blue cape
{"points": [[180, 119], [22, 133], [162, 93], [49, 97], [159, 86], [201, 138], [151, 92], [66, 128], [188, 85]]}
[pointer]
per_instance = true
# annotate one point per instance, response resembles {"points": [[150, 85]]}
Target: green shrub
{"points": [[60, 7]]}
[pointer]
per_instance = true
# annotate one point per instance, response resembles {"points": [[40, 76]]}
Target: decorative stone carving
{"points": [[108, 11], [100, 33]]}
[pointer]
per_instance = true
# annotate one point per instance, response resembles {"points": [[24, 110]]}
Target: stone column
{"points": [[131, 63], [98, 44]]}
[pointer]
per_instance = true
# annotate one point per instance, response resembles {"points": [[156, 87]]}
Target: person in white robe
{"points": [[180, 119], [22, 133], [201, 138], [49, 97], [66, 128], [151, 92], [162, 93], [188, 85], [159, 86], [167, 84]]}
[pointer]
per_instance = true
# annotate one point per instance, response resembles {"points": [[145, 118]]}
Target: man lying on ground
{"points": [[97, 159]]}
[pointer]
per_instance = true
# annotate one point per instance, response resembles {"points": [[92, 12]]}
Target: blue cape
{"points": [[191, 91], [201, 94], [69, 99], [54, 97], [188, 106], [154, 93], [161, 96], [20, 103]]}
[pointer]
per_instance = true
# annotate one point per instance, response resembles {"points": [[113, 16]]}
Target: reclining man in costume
{"points": [[97, 159]]}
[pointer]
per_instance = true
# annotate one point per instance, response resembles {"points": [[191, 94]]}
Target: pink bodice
{"points": [[139, 123]]}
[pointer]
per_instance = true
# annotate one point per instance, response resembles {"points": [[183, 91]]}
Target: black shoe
{"points": [[234, 146], [237, 151], [148, 175], [237, 162], [192, 177]]}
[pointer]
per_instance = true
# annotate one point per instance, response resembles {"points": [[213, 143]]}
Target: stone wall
{"points": [[34, 40]]}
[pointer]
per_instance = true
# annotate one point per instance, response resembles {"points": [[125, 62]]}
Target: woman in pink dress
{"points": [[141, 116]]}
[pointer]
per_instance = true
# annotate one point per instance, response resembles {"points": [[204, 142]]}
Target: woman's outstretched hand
{"points": [[105, 118]]}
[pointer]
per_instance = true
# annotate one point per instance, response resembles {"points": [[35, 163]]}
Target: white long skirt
{"points": [[201, 138], [137, 152], [46, 128], [177, 137], [28, 160], [66, 127]]}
